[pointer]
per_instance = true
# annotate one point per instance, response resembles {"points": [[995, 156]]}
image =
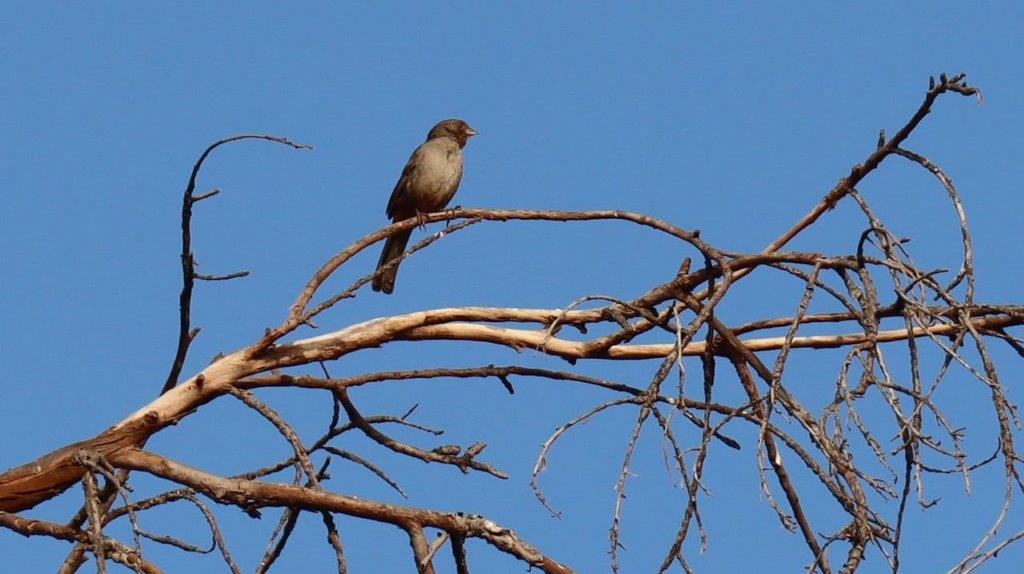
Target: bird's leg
{"points": [[450, 212], [421, 220]]}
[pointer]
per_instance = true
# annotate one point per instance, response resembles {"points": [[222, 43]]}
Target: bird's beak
{"points": [[471, 132]]}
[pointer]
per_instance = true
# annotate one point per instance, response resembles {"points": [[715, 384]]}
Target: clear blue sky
{"points": [[730, 118]]}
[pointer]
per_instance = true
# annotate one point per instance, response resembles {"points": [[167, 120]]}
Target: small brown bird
{"points": [[428, 183]]}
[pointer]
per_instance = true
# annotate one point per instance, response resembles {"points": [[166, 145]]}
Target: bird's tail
{"points": [[393, 249]]}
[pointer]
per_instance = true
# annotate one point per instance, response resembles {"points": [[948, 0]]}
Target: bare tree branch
{"points": [[876, 295], [251, 494]]}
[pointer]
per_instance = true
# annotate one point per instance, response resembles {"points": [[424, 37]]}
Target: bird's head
{"points": [[456, 129]]}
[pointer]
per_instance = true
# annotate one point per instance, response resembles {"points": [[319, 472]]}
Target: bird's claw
{"points": [[450, 214]]}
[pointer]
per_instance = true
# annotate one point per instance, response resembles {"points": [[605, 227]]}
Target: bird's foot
{"points": [[421, 221], [450, 214]]}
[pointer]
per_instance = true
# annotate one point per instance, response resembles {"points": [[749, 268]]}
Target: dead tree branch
{"points": [[877, 296]]}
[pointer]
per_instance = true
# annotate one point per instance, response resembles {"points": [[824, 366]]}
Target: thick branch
{"points": [[248, 494]]}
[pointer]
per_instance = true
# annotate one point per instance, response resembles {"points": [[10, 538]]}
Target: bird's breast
{"points": [[436, 178]]}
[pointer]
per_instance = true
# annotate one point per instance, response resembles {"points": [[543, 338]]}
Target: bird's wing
{"points": [[400, 195]]}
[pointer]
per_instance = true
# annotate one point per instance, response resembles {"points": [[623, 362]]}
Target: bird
{"points": [[428, 182]]}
